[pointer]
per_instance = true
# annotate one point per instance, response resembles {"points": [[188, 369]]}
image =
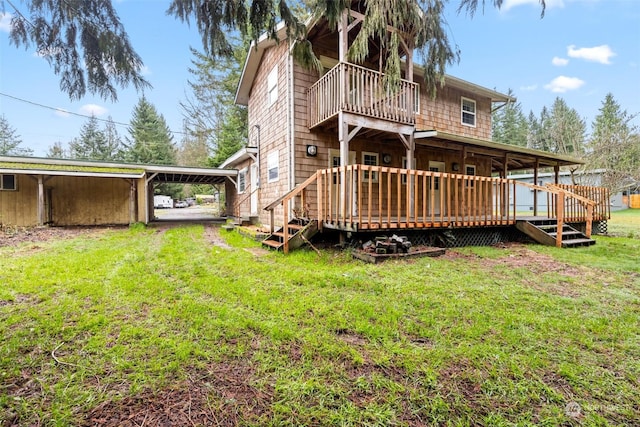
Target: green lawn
{"points": [[144, 327], [625, 223]]}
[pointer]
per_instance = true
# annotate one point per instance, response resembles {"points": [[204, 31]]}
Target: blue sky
{"points": [[580, 51]]}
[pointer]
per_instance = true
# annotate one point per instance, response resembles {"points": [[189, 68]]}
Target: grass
{"points": [[625, 223], [122, 322]]}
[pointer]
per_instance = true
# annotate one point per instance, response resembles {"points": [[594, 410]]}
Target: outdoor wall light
{"points": [[312, 150], [386, 158], [455, 167]]}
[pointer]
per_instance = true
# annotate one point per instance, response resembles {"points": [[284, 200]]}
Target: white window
{"points": [[468, 112], [404, 166], [470, 170], [370, 159], [242, 181], [7, 182], [272, 86], [273, 166]]}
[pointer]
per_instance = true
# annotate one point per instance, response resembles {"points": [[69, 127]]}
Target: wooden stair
{"points": [[545, 231], [300, 231]]}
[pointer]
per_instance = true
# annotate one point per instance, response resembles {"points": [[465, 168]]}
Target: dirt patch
{"points": [[14, 236], [224, 395], [212, 235]]}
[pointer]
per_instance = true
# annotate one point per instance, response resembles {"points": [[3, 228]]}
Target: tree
{"points": [[211, 113], [96, 144], [566, 129], [614, 146], [72, 34], [509, 125], [57, 151], [10, 141], [84, 42], [151, 142]]}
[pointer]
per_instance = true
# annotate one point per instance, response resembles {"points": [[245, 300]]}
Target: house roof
{"points": [[257, 49], [240, 156], [519, 158], [157, 173]]}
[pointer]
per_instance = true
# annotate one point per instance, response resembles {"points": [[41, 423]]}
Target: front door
{"points": [[435, 188], [253, 200]]}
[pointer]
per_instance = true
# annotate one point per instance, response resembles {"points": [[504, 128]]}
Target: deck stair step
{"points": [[545, 231], [299, 230]]}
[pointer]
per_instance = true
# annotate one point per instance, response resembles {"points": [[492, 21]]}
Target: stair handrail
{"points": [[283, 200], [562, 194]]}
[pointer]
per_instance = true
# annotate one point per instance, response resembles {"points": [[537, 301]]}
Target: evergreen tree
{"points": [[10, 141], [85, 42], [566, 129], [615, 146], [211, 113], [150, 141], [95, 143], [509, 125], [57, 151]]}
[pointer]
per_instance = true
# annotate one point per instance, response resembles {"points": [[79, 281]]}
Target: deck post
{"points": [[535, 192], [40, 200], [560, 218]]}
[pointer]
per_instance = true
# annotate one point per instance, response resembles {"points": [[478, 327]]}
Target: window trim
{"points": [[15, 182], [273, 162], [469, 113], [272, 86], [242, 182], [374, 174]]}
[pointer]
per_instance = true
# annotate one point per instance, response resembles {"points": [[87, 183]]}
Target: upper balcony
{"points": [[354, 89]]}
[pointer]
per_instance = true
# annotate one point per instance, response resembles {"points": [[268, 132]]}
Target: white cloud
{"points": [[562, 84], [5, 21], [601, 54], [559, 62], [61, 112], [529, 88], [93, 110], [508, 4]]}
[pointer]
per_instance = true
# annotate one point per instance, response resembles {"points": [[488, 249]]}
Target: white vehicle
{"points": [[162, 202]]}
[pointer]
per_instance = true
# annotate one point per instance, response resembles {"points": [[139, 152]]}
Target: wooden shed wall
{"points": [[20, 207], [89, 200]]}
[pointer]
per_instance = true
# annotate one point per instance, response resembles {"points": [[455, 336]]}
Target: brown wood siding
{"points": [[444, 113], [20, 207], [272, 120]]}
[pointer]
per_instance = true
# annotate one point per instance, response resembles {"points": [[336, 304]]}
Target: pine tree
{"points": [[95, 143], [57, 151], [10, 141], [509, 125], [150, 141], [566, 129], [615, 146]]}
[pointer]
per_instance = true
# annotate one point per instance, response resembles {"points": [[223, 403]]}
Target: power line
{"points": [[26, 101]]}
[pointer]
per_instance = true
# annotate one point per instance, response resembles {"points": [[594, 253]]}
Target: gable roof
{"points": [[257, 49]]}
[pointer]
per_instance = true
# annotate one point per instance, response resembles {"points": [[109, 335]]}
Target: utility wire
{"points": [[74, 114]]}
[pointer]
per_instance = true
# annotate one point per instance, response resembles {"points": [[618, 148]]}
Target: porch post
{"points": [[556, 171], [410, 145], [40, 200], [343, 136], [535, 192]]}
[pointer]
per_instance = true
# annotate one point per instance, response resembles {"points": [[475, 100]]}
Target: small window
{"points": [[272, 86], [369, 159], [242, 181], [273, 166], [7, 182], [470, 170], [468, 112]]}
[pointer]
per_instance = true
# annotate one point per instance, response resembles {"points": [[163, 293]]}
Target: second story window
{"points": [[370, 159], [468, 112], [272, 86]]}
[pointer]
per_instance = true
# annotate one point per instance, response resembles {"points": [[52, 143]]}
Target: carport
{"points": [[182, 175]]}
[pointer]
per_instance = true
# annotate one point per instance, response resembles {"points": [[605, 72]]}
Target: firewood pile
{"points": [[388, 245]]}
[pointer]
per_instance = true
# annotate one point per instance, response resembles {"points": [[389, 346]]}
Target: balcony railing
{"points": [[354, 89]]}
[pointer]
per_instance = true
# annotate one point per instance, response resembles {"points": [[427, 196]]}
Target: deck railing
{"points": [[360, 197], [351, 88]]}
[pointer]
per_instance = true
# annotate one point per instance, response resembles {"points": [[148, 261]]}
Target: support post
{"points": [[40, 200], [535, 192], [560, 216]]}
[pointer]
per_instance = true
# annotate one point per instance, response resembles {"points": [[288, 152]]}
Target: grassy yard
{"points": [[196, 326]]}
